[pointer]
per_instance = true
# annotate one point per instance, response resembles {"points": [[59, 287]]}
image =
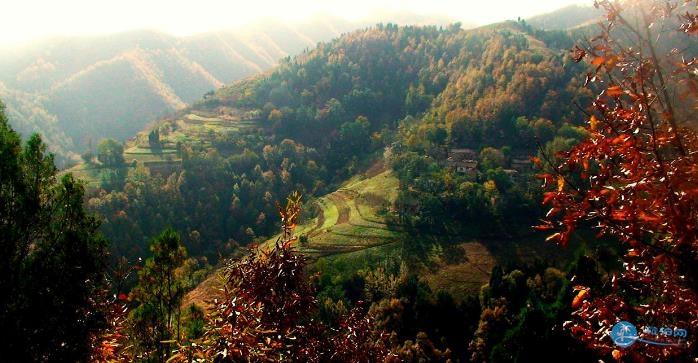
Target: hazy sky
{"points": [[23, 20]]}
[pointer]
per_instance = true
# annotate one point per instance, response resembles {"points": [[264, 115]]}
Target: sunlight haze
{"points": [[32, 19]]}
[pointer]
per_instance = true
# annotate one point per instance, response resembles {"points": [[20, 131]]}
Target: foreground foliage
{"points": [[635, 180], [51, 257], [268, 313], [157, 317]]}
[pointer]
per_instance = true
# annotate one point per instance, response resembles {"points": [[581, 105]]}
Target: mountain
{"points": [[569, 17], [215, 168], [142, 74], [408, 159], [366, 127], [78, 90], [411, 97]]}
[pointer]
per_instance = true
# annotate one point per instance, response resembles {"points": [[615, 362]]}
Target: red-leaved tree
{"points": [[635, 179], [268, 313]]}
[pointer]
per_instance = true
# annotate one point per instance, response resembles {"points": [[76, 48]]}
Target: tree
{"points": [[491, 158], [416, 101], [275, 115], [51, 256], [87, 156], [110, 153], [635, 180], [267, 312], [543, 129], [352, 136], [154, 139], [159, 294]]}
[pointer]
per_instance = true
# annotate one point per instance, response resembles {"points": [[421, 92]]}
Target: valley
{"points": [[265, 135], [345, 192]]}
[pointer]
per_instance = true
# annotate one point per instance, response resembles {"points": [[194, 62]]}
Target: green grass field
{"points": [[349, 219], [87, 173]]}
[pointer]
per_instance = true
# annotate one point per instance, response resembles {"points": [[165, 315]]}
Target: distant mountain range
{"points": [[78, 90], [567, 18]]}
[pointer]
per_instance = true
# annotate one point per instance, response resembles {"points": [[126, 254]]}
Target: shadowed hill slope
{"points": [[78, 90]]}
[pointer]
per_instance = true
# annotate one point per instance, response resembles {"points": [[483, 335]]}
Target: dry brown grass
{"points": [[465, 277], [209, 289]]}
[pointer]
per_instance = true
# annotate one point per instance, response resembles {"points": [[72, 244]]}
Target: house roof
{"points": [[464, 163], [461, 154]]}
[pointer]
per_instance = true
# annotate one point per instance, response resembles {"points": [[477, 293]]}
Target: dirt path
{"points": [[342, 208]]}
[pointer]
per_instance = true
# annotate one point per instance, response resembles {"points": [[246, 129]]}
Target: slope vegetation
{"points": [[317, 119], [346, 221], [142, 74]]}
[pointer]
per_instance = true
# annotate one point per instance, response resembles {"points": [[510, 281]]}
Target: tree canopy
{"points": [[52, 256]]}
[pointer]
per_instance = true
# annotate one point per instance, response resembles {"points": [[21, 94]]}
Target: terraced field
{"points": [[349, 232], [197, 129], [88, 174], [349, 219], [348, 224]]}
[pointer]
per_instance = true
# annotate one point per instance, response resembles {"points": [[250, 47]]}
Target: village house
{"points": [[464, 161], [521, 163]]}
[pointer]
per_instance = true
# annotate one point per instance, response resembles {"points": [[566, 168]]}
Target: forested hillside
{"points": [[143, 75], [390, 195], [405, 97], [322, 116]]}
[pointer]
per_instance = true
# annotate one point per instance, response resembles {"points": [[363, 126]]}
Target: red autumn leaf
{"points": [[614, 91], [647, 217], [577, 301], [620, 215], [597, 61], [543, 227], [548, 196]]}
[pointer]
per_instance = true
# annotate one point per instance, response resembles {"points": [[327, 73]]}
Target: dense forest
{"points": [[330, 112], [439, 148]]}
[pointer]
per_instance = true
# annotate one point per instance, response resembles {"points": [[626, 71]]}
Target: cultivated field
{"points": [[349, 232], [349, 225], [196, 129], [350, 218]]}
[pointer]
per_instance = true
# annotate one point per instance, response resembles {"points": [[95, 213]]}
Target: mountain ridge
{"points": [[148, 73]]}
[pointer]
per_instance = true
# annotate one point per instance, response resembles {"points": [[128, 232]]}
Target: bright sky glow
{"points": [[24, 20]]}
